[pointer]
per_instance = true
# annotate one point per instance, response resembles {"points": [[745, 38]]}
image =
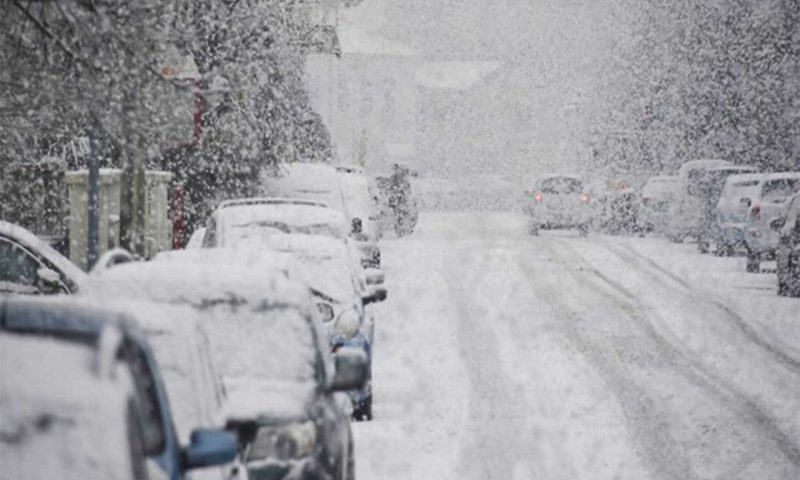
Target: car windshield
{"points": [[327, 275], [561, 185]]}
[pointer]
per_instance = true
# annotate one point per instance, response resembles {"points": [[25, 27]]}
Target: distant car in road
{"points": [[61, 417], [269, 349], [687, 213], [557, 201], [766, 205], [29, 265], [654, 203], [71, 321], [788, 251]]}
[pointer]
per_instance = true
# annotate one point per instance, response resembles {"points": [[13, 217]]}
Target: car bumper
{"points": [[761, 240], [306, 468]]}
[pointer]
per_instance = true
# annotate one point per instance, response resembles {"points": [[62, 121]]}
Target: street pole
{"points": [[94, 196]]}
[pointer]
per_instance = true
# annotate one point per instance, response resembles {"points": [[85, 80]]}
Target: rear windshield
{"points": [[563, 185], [779, 190]]}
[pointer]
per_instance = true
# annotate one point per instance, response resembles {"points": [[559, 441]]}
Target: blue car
{"points": [[69, 321]]}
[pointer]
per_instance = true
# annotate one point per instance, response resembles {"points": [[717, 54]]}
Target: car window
{"points": [[561, 185], [153, 434], [779, 190], [17, 265]]}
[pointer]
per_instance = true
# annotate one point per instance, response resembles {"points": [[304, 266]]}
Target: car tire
{"points": [[364, 411], [753, 262]]}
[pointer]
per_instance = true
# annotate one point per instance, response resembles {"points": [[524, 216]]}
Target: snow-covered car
{"points": [[788, 251], [687, 213], [731, 216], [362, 213], [29, 265], [76, 321], [708, 190], [557, 201], [60, 417], [653, 205], [341, 292], [196, 240], [268, 347], [245, 221], [767, 204]]}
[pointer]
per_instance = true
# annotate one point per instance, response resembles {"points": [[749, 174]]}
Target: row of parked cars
{"points": [[244, 356], [728, 209]]}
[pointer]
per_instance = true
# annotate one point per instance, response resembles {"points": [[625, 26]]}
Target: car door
{"points": [[19, 270]]}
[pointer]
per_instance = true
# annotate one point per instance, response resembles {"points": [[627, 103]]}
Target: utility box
{"points": [[158, 229], [109, 203]]}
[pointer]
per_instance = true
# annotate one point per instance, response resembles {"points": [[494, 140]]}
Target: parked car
{"points": [[243, 221], [342, 293], [28, 265], [362, 213], [62, 417], [788, 251], [731, 216], [766, 205], [653, 205], [269, 349], [557, 201], [709, 189], [80, 323], [687, 214]]}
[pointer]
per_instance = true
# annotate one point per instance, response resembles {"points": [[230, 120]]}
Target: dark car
{"points": [[788, 252], [28, 265], [68, 321]]}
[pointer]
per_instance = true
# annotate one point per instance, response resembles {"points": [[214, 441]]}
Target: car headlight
{"points": [[284, 443], [348, 323]]}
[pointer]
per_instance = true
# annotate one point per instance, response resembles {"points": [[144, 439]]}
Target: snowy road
{"points": [[503, 356]]}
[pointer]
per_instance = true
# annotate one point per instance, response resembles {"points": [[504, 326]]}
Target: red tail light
{"points": [[538, 198], [755, 213], [584, 198]]}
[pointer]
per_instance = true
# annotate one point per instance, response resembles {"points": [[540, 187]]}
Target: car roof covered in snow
{"points": [[196, 283], [292, 213], [30, 240], [58, 417], [241, 255], [780, 175]]}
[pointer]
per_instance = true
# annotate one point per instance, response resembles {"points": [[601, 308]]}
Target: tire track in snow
{"points": [[689, 366], [647, 423], [494, 447], [657, 272]]}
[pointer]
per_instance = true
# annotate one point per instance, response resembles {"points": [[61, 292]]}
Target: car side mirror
{"points": [[374, 276], [352, 369], [746, 201], [209, 448], [375, 296], [777, 224], [49, 277]]}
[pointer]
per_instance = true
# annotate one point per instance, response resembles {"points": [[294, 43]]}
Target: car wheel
{"points": [[364, 411], [753, 261]]}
